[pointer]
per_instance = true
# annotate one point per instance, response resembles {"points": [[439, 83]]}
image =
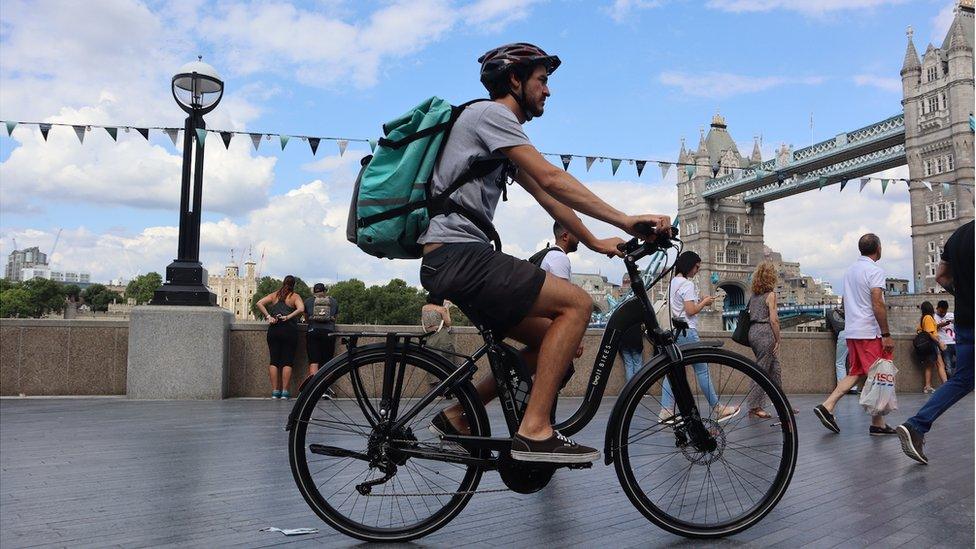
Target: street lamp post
{"points": [[197, 89]]}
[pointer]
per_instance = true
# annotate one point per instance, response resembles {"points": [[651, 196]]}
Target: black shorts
{"points": [[320, 346], [282, 339], [495, 290]]}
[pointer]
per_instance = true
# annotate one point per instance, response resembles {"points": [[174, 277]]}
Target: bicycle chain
{"points": [[428, 494]]}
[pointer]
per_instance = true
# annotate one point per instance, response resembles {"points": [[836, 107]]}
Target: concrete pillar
{"points": [[178, 352]]}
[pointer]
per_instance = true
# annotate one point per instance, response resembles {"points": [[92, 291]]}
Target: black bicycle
{"points": [[367, 463]]}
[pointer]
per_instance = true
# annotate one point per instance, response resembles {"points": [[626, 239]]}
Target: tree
{"points": [[98, 297], [351, 295], [16, 302], [142, 287], [71, 290], [46, 295]]}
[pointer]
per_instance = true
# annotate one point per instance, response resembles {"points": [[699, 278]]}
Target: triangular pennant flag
{"points": [[342, 146], [665, 168], [284, 141], [174, 135], [927, 185], [821, 182], [45, 128], [226, 137], [945, 188], [589, 162], [10, 128], [566, 158], [614, 164], [864, 181], [884, 185], [313, 142], [144, 132], [842, 185], [201, 136], [114, 132], [640, 166], [80, 132], [690, 170]]}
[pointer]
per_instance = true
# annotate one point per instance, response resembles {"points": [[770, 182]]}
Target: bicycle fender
{"points": [[609, 450]]}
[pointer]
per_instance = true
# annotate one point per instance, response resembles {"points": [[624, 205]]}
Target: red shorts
{"points": [[863, 353]]}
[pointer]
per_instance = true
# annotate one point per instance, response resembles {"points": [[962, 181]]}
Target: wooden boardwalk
{"points": [[111, 472]]}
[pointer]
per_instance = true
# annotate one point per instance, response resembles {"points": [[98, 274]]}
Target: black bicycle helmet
{"points": [[497, 62]]}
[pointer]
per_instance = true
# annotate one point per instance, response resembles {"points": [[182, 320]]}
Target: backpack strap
{"points": [[427, 132]]}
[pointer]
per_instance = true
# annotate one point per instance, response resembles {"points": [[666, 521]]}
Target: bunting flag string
{"points": [[342, 143]]}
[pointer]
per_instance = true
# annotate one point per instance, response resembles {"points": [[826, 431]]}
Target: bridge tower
{"points": [[726, 233], [938, 103]]}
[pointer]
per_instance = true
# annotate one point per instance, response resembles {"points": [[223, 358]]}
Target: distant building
{"points": [[233, 291], [796, 288], [18, 260], [896, 286], [598, 287]]}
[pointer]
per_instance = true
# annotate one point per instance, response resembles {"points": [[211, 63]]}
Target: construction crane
{"points": [[257, 271], [54, 246]]}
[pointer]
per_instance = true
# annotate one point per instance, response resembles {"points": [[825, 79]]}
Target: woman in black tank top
{"points": [[281, 309]]}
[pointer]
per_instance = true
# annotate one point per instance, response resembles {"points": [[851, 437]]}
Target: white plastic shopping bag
{"points": [[878, 394]]}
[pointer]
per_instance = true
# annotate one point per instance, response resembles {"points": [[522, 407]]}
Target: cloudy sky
{"points": [[637, 76]]}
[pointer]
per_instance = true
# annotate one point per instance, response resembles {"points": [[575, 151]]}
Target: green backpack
{"points": [[392, 202]]}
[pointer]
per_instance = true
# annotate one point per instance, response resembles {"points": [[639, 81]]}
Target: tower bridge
{"points": [[723, 195]]}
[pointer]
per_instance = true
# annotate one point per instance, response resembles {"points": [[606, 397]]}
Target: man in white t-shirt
{"points": [[556, 261], [945, 321], [866, 330]]}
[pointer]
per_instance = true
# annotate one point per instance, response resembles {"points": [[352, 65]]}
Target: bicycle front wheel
{"points": [[367, 479], [730, 481]]}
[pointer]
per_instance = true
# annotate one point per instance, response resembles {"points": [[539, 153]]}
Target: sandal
{"points": [[760, 413]]}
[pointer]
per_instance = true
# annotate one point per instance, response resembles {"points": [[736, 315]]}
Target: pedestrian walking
{"points": [[866, 330], [835, 322], [684, 307], [281, 310], [955, 274], [321, 310], [928, 347], [944, 321], [764, 335]]}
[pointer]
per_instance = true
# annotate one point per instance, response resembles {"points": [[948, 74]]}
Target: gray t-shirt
{"points": [[480, 131]]}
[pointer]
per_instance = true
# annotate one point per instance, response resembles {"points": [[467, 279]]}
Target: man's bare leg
{"points": [[841, 389], [569, 307]]}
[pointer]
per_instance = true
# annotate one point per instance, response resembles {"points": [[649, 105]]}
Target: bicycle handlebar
{"points": [[634, 247]]}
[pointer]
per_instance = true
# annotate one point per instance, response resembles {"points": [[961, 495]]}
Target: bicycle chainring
{"points": [[522, 477]]}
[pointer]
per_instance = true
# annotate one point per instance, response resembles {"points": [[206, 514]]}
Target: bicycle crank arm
{"points": [[481, 443], [332, 451]]}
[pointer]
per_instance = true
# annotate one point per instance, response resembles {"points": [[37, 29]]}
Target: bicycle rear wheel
{"points": [[714, 490], [335, 450]]}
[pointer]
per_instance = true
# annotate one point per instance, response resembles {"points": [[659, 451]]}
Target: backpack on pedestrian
{"points": [[923, 345], [322, 309], [392, 201], [540, 256]]}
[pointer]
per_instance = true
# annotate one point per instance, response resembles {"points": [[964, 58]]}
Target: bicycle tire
{"points": [[632, 399], [463, 392]]}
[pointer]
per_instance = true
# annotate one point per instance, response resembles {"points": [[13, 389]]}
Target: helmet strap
{"points": [[520, 99]]}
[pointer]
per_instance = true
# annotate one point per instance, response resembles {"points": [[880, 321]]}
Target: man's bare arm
{"points": [[943, 275], [881, 315]]}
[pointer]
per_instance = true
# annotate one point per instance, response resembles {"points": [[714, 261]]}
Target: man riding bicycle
{"points": [[508, 295]]}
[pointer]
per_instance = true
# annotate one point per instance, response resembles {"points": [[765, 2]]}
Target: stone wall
{"points": [[85, 357]]}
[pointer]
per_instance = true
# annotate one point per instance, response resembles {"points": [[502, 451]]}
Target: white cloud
{"points": [[942, 21], [621, 10], [829, 244], [886, 83], [324, 49], [806, 7], [719, 85]]}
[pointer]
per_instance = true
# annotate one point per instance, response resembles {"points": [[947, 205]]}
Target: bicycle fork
{"points": [[689, 422]]}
